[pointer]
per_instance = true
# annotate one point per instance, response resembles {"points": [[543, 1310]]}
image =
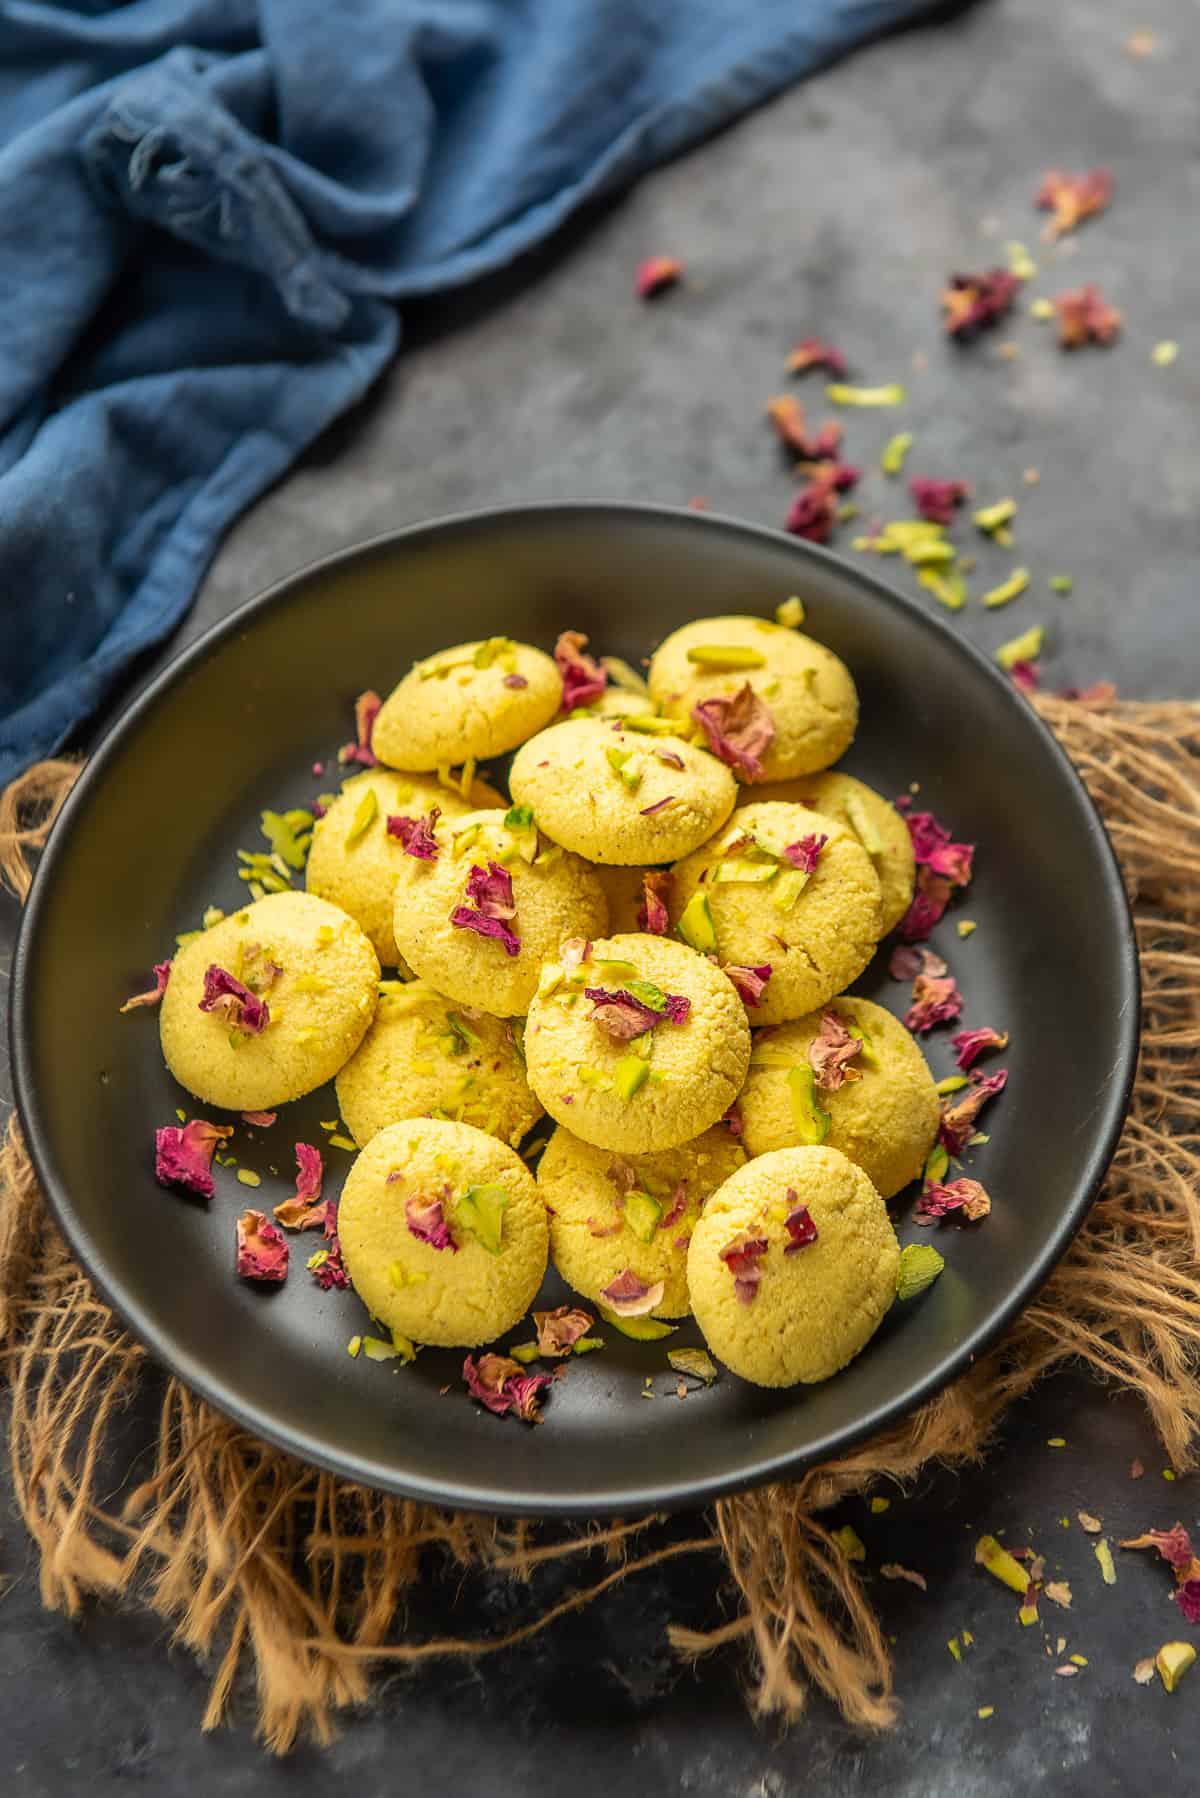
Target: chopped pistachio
{"points": [[936, 1164], [364, 815], [622, 675], [488, 652], [731, 656], [181, 1114], [618, 760], [741, 869], [931, 555], [248, 1177], [1041, 309], [1020, 262], [696, 925], [355, 1343], [643, 1215], [647, 725], [525, 1352], [955, 1650], [838, 394], [809, 1120], [696, 1362], [790, 613], [1025, 648], [986, 1710], [640, 1329], [788, 888], [587, 1344], [850, 1542], [481, 1211], [953, 1083], [863, 825], [1173, 1660], [920, 1265], [1001, 1565], [289, 834], [966, 926], [212, 915], [879, 1505], [993, 518], [518, 817], [949, 589], [894, 451], [1060, 583], [629, 1076], [1056, 1442], [1016, 583], [1164, 353], [867, 1057], [343, 1142], [1104, 1555]]}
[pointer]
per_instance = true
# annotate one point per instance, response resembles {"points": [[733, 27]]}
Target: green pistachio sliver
{"points": [[839, 394], [612, 969], [618, 760], [810, 1120], [1060, 583], [738, 868], [993, 518], [648, 994], [696, 1362], [937, 1165], [1025, 648], [647, 725], [525, 1352], [518, 817], [791, 884], [622, 675], [593, 1078], [949, 589], [920, 1265], [629, 1076], [696, 925], [187, 936], [289, 834], [365, 813], [953, 1083], [586, 1345], [790, 613], [866, 1053], [481, 1211], [642, 1214], [461, 1036], [858, 817], [343, 1142], [488, 651], [725, 655], [894, 451], [930, 555], [641, 1329], [1016, 584]]}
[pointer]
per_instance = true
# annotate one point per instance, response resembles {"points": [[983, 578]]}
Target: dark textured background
{"points": [[838, 209]]}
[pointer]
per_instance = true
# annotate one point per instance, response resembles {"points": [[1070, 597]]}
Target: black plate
{"points": [[147, 839]]}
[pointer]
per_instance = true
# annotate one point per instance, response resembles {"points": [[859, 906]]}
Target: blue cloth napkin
{"points": [[209, 213]]}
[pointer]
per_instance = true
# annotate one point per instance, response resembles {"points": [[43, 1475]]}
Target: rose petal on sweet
{"points": [[162, 973], [656, 274], [969, 1045], [426, 1220], [750, 982], [583, 678], [957, 1124], [972, 303], [262, 1250], [831, 1052], [416, 834], [366, 710], [243, 1010], [573, 952], [812, 352], [805, 853], [799, 1225], [668, 758], [465, 919], [1085, 316], [653, 916], [733, 1120], [937, 500], [629, 1296], [514, 681], [1072, 198], [936, 1000], [624, 1016], [675, 1208], [945, 1199], [596, 1228], [183, 1156], [739, 730], [491, 892], [741, 1257], [559, 1330]]}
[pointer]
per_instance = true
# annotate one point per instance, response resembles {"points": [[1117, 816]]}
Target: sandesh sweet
{"points": [[849, 1076], [771, 701], [443, 1233], [792, 1267], [269, 1003], [482, 901], [613, 1215], [358, 845], [425, 1056], [876, 823], [618, 795], [636, 1042], [786, 896], [465, 704]]}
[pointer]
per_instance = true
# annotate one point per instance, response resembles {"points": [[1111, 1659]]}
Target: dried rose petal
{"points": [[629, 1296], [805, 853], [305, 1210], [965, 1196], [262, 1250], [660, 805], [936, 1000], [957, 1124], [243, 1010], [260, 1120], [969, 1045], [504, 1385], [1072, 198], [491, 894], [366, 710], [811, 352], [162, 973], [653, 916], [928, 906], [907, 962], [791, 425], [330, 1271], [742, 1257], [831, 1051], [750, 982], [841, 476], [656, 274], [559, 1330], [972, 303], [426, 1220], [416, 834], [583, 678], [623, 1175], [813, 513], [1025, 675], [624, 1016], [1098, 693], [259, 971], [937, 500], [1174, 1545], [739, 730], [676, 1208], [597, 1229], [733, 1120], [1084, 316], [514, 680], [1187, 1597], [799, 1225], [183, 1157]]}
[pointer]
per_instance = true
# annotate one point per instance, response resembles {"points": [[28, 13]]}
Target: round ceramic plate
{"points": [[147, 841]]}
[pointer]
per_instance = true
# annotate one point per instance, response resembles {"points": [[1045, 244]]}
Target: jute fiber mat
{"points": [[262, 1564]]}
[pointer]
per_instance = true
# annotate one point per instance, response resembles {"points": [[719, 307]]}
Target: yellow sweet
{"points": [[463, 703], [816, 933], [624, 892], [658, 1090], [320, 1002], [885, 1122], [868, 815], [460, 1296], [424, 1055], [603, 1210], [806, 688], [813, 1309]]}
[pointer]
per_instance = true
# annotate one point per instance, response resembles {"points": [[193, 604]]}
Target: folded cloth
{"points": [[209, 211]]}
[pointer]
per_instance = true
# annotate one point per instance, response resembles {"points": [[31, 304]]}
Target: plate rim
{"points": [[478, 1495]]}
